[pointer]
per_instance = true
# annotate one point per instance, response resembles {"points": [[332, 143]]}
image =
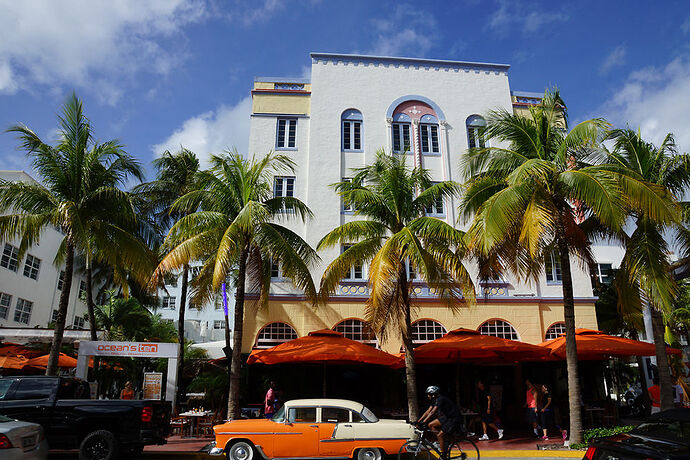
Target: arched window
{"points": [[356, 329], [555, 331], [352, 122], [475, 131], [274, 334], [499, 328], [426, 330], [423, 113]]}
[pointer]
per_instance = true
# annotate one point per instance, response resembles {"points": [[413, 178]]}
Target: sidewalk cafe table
{"points": [[194, 419]]}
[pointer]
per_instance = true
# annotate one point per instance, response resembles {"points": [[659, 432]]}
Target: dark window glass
{"points": [[281, 133], [292, 133], [35, 389], [346, 135], [357, 135], [5, 386], [335, 415]]}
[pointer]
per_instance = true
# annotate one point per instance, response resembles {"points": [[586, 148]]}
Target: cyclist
{"points": [[442, 416]]}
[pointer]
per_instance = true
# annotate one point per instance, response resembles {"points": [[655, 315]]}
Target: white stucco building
{"points": [[429, 111]]}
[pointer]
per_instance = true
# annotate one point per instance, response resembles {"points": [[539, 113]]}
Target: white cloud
{"points": [[685, 27], [655, 100], [615, 59], [409, 31], [514, 13], [212, 132], [83, 43]]}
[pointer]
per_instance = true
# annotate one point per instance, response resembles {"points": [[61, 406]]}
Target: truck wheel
{"points": [[241, 451], [369, 453], [98, 445]]}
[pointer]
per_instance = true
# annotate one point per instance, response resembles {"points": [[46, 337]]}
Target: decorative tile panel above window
{"points": [[286, 135], [352, 122], [31, 267], [10, 257]]}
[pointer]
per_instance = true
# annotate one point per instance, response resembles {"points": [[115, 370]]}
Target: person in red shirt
{"points": [[270, 400], [655, 395]]}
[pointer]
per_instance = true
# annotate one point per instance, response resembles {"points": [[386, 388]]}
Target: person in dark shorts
{"points": [[442, 416], [546, 417], [486, 411]]}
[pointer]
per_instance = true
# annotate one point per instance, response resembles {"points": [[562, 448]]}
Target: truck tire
{"points": [[241, 451], [98, 445]]}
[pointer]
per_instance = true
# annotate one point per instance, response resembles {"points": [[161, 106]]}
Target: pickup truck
{"points": [[100, 429]]}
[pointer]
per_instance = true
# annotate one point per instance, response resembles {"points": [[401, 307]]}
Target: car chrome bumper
{"points": [[215, 451]]}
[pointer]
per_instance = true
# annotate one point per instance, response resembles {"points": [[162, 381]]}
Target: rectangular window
{"points": [[352, 135], [287, 132], [22, 312], [31, 267], [82, 289], [169, 302], [283, 186], [302, 415], [276, 272], [429, 138], [53, 316], [437, 208], [553, 268], [5, 302], [401, 137], [219, 324], [61, 280], [411, 271], [78, 322], [356, 271], [604, 273], [476, 137], [10, 257], [347, 206]]}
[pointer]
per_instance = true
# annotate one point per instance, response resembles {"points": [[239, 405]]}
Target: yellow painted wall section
{"points": [[285, 103], [530, 320]]}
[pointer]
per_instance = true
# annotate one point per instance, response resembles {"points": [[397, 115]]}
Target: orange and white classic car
{"points": [[313, 428]]}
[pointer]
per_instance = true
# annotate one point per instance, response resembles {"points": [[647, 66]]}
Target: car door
{"points": [[298, 437], [335, 421], [31, 400]]}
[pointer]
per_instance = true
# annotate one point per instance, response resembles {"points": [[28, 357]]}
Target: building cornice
{"points": [[437, 64], [291, 92]]}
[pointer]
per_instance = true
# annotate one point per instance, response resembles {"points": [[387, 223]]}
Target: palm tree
{"points": [[528, 198], [79, 186], [236, 227], [394, 231], [176, 177], [646, 262]]}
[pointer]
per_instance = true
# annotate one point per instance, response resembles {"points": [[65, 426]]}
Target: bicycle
{"points": [[459, 447]]}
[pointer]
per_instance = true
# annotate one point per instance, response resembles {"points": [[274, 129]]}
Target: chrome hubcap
{"points": [[241, 453]]}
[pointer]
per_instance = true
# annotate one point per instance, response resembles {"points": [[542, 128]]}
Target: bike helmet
{"points": [[433, 390]]}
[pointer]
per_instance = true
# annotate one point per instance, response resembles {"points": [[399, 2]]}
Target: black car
{"points": [[665, 435]]}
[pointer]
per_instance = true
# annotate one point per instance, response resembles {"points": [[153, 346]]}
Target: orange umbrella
{"points": [[462, 345], [13, 362], [595, 345], [63, 361], [324, 346], [15, 349]]}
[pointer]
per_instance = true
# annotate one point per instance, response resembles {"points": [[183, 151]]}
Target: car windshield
{"points": [[4, 387], [665, 429], [369, 415], [279, 416]]}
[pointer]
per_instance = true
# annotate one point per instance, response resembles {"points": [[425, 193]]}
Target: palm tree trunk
{"points": [[664, 373], [410, 366], [89, 301], [55, 346], [574, 396], [180, 333], [236, 361]]}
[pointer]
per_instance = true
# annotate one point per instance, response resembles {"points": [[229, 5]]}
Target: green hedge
{"points": [[594, 433]]}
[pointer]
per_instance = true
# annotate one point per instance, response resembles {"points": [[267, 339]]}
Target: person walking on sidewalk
{"points": [[270, 400], [546, 417], [486, 411], [530, 406]]}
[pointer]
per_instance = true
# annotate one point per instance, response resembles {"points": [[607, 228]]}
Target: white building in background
{"points": [[30, 286]]}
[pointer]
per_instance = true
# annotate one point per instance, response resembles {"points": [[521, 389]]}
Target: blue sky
{"points": [[156, 74]]}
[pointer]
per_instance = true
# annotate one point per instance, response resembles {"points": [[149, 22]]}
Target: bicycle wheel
{"points": [[415, 450], [462, 449]]}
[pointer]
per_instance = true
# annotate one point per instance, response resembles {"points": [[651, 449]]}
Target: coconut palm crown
{"points": [[391, 200]]}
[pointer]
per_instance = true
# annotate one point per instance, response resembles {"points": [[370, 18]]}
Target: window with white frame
{"points": [[401, 127], [411, 270], [54, 316], [476, 126], [555, 331], [61, 280], [78, 322], [22, 312], [552, 266], [169, 302], [605, 273], [10, 257], [356, 271], [274, 334], [356, 329], [426, 330], [499, 328], [437, 208], [31, 267], [283, 186], [287, 133], [219, 324], [276, 271], [352, 131], [5, 303], [428, 134], [347, 205], [82, 289]]}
